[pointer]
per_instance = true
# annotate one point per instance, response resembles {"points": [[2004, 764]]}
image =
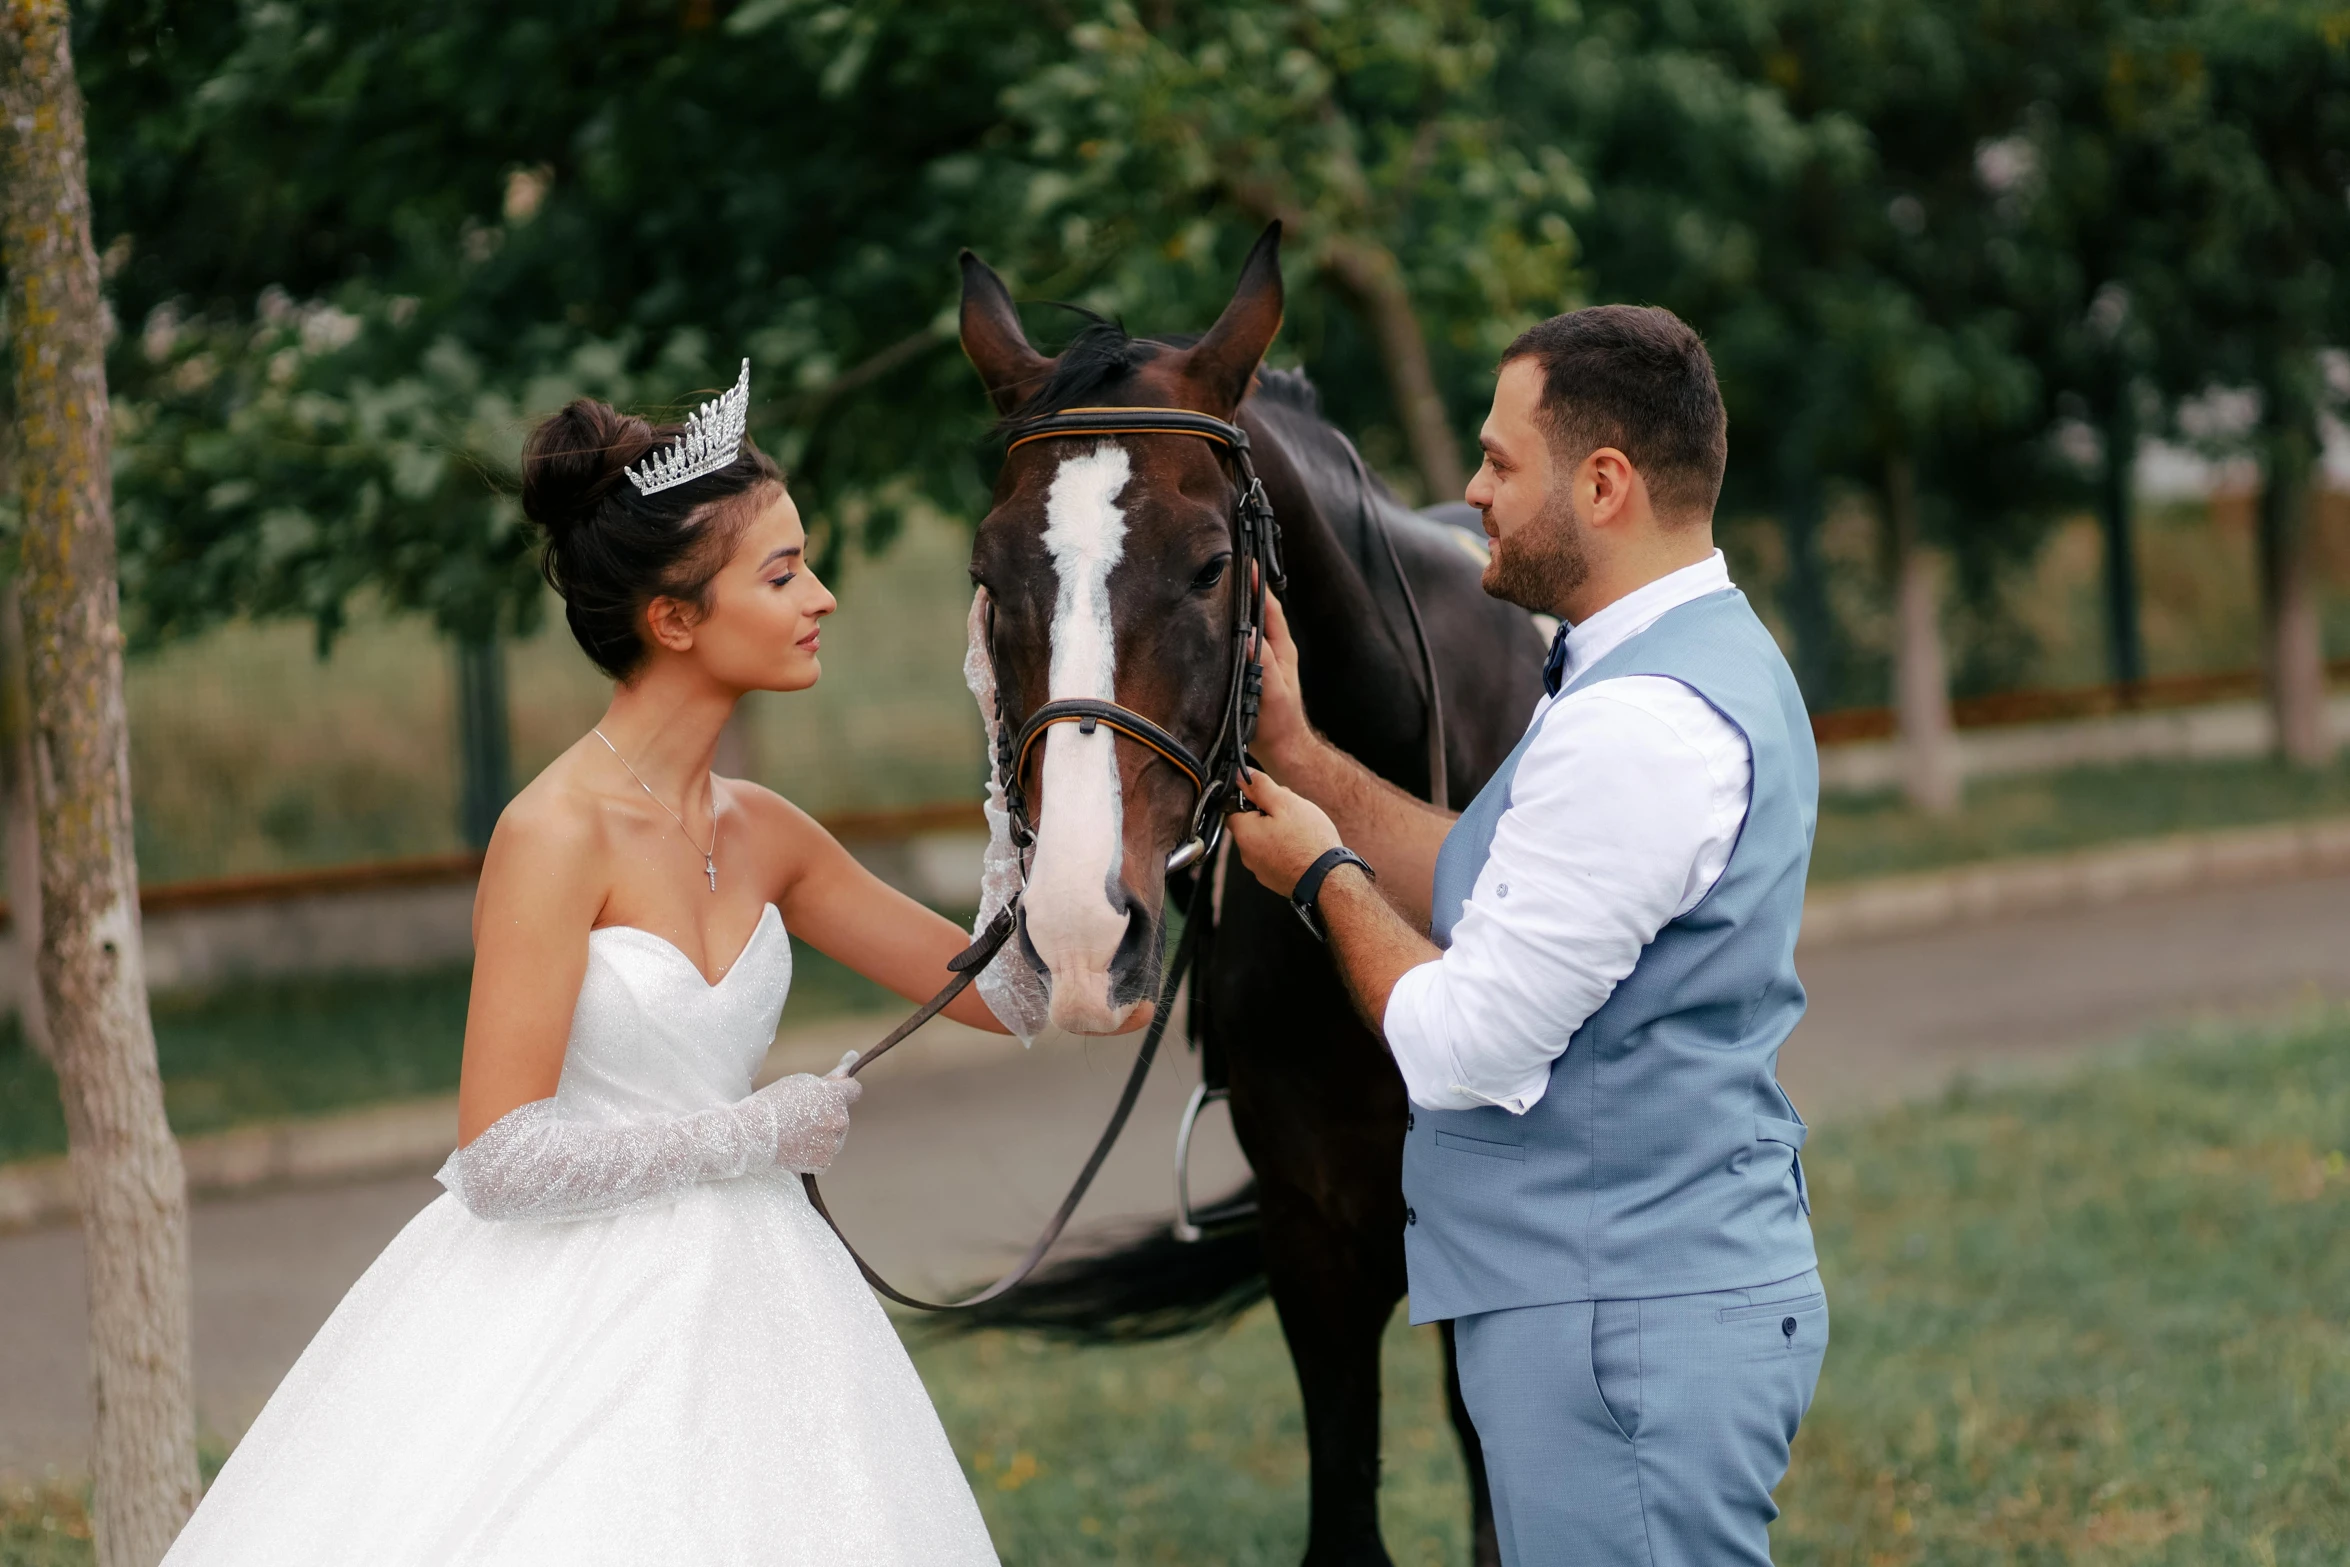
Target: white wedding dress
{"points": [[705, 1380]]}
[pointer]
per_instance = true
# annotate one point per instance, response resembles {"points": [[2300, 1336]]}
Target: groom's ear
{"points": [[1224, 361], [994, 341]]}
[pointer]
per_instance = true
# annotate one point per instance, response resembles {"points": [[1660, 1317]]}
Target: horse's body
{"points": [[1317, 1104]]}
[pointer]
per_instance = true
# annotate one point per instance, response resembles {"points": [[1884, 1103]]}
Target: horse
{"points": [[1103, 562]]}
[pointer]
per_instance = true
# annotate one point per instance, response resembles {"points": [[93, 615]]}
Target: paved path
{"points": [[950, 1169], [1896, 1018]]}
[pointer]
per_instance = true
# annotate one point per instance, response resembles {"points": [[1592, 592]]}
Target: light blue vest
{"points": [[1662, 1159]]}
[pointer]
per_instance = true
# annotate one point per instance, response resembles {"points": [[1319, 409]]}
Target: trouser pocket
{"points": [[1615, 1362]]}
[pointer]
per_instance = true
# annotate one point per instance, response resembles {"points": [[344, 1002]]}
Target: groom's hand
{"points": [[1281, 707], [1281, 839]]}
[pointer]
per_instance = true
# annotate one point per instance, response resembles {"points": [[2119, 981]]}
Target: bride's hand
{"points": [[809, 1117]]}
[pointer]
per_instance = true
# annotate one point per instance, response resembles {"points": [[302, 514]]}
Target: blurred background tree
{"points": [[1371, 130], [1954, 258], [1933, 241], [359, 250], [2248, 107]]}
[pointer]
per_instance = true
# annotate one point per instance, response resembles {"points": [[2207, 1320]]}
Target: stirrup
{"points": [[1187, 1227]]}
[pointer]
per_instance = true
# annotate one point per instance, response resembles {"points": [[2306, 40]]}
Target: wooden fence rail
{"points": [[2040, 707], [873, 832]]}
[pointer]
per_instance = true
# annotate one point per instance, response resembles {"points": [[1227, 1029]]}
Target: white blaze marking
{"points": [[1075, 928]]}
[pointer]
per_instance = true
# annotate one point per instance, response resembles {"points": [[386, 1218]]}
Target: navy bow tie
{"points": [[1554, 668]]}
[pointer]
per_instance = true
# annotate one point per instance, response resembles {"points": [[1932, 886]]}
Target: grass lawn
{"points": [[262, 1049], [1878, 835], [2100, 1320]]}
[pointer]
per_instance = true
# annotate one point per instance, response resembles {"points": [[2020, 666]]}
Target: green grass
{"points": [[1191, 1452], [48, 1526], [1878, 835], [2103, 1320], [2097, 1320], [264, 1049]]}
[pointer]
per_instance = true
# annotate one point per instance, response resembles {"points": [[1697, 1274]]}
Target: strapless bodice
{"points": [[651, 1038]]}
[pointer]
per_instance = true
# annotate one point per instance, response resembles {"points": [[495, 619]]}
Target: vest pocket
{"points": [[1478, 1145], [1791, 1134]]}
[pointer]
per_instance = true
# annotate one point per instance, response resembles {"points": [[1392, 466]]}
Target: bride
{"points": [[624, 1336]]}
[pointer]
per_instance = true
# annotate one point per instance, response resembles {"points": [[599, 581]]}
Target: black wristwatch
{"points": [[1306, 897]]}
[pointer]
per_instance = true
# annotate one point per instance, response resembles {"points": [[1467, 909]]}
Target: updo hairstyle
{"points": [[611, 551]]}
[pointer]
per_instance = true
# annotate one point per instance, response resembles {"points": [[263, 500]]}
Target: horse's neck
{"points": [[1358, 689]]}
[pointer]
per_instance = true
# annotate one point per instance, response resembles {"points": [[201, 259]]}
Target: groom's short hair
{"points": [[1638, 378]]}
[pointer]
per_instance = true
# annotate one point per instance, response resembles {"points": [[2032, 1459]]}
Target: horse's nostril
{"points": [[1134, 968]]}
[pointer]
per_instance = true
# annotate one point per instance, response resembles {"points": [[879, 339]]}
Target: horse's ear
{"points": [[994, 341], [1223, 362]]}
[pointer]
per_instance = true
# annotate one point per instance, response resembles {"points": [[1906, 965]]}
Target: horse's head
{"points": [[1106, 566]]}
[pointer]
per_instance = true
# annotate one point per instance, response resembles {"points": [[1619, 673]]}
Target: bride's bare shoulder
{"points": [[553, 834], [790, 843], [764, 808], [786, 831]]}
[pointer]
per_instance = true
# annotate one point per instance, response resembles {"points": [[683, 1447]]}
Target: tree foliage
{"points": [[358, 248], [1368, 128], [354, 251]]}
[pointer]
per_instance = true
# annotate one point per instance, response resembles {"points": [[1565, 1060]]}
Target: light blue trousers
{"points": [[1648, 1432]]}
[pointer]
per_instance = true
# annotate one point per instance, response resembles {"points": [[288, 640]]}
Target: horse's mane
{"points": [[1102, 354], [1289, 400]]}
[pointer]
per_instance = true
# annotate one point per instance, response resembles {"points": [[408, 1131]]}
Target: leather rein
{"points": [[1215, 784]]}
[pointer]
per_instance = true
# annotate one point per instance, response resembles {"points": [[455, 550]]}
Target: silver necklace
{"points": [[709, 855]]}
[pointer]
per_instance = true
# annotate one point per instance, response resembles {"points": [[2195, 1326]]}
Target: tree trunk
{"points": [[2292, 644], [485, 752], [22, 827], [126, 1168], [1921, 679], [2116, 508], [1371, 277], [1819, 660]]}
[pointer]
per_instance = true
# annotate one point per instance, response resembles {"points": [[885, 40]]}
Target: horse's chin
{"points": [[1082, 1005]]}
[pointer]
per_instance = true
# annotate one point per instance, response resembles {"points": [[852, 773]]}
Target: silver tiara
{"points": [[713, 438]]}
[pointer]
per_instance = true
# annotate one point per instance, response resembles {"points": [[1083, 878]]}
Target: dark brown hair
{"points": [[1635, 377], [611, 551]]}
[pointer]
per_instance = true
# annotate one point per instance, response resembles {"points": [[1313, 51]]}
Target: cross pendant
{"points": [[711, 865]]}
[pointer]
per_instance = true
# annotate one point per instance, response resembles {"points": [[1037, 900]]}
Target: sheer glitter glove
{"points": [[1011, 989], [533, 1164]]}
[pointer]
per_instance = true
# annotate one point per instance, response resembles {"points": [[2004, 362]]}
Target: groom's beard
{"points": [[1540, 565]]}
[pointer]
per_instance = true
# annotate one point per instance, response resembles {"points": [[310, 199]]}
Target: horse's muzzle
{"points": [[1089, 997]]}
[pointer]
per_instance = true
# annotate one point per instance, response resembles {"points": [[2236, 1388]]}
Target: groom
{"points": [[1604, 1189]]}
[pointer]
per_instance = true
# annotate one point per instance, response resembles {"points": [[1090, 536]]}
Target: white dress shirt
{"points": [[1621, 819]]}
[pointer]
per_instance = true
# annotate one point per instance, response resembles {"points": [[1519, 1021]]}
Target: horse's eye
{"points": [[1210, 574]]}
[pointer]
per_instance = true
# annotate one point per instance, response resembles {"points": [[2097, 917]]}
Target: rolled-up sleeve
{"points": [[1622, 815]]}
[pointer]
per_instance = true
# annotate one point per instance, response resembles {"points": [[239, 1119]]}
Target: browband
{"points": [[1129, 421]]}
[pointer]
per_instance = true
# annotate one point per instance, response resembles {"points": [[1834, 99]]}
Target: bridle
{"points": [[1256, 569], [1215, 782]]}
